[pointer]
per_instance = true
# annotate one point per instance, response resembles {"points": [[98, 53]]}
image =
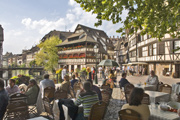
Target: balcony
{"points": [[75, 50], [77, 61]]}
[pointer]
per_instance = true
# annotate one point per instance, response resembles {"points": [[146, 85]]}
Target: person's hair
{"points": [[33, 81], [64, 66], [46, 76], [66, 77], [1, 83], [87, 86], [76, 74], [89, 80], [111, 71], [73, 76], [123, 74], [13, 80], [152, 72], [136, 96]]}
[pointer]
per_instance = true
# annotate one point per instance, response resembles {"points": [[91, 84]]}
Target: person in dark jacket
{"points": [[123, 80]]}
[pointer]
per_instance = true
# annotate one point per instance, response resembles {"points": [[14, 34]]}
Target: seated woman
{"points": [[110, 81], [135, 99], [32, 92]]}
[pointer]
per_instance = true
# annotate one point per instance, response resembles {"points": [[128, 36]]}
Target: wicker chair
{"points": [[18, 97], [127, 89], [17, 111], [48, 107], [105, 96], [61, 94], [98, 111], [146, 99], [49, 92], [128, 114], [166, 88]]}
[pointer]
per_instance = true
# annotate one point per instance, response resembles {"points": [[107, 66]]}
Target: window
{"points": [[145, 36], [145, 51], [133, 54], [150, 50], [133, 42], [176, 45], [154, 49], [140, 52], [161, 49]]}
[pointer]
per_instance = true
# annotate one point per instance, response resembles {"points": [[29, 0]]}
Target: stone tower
{"points": [[1, 44]]}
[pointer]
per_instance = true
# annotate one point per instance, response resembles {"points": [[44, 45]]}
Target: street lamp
{"points": [[96, 50]]}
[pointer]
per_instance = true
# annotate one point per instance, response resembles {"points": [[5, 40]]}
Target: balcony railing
{"points": [[76, 50], [75, 61]]}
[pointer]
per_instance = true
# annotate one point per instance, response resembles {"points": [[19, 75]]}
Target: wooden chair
{"points": [[98, 111], [146, 99], [128, 114], [166, 88], [48, 107], [49, 92], [61, 94], [18, 97], [17, 111], [127, 89], [105, 96]]}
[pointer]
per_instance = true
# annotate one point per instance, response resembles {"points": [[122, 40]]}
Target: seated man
{"points": [[32, 92], [96, 89], [46, 83], [87, 99], [12, 88], [73, 80], [123, 80], [3, 99], [77, 77], [153, 80]]}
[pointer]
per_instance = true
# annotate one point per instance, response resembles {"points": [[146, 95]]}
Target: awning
{"points": [[136, 63]]}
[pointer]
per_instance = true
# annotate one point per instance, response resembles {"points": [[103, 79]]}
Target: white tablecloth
{"points": [[57, 85], [176, 88], [157, 96], [158, 114], [57, 112], [145, 87], [38, 118]]}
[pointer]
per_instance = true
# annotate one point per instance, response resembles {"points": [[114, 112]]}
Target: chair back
{"points": [[77, 86], [18, 97], [98, 111], [128, 114], [105, 96], [166, 88], [49, 92], [146, 99], [47, 106], [17, 111], [61, 94], [127, 90]]}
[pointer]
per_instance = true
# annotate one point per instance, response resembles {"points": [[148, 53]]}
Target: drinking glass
{"points": [[145, 83]]}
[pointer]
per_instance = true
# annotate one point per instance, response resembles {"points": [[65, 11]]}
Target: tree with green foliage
{"points": [[47, 56], [155, 17]]}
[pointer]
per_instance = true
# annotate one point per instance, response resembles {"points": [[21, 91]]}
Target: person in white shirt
{"points": [[12, 88], [63, 72], [46, 83], [153, 80], [100, 72]]}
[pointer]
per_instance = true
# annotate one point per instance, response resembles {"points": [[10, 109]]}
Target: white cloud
{"points": [[34, 30]]}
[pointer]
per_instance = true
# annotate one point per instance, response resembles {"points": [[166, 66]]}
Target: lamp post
{"points": [[96, 50]]}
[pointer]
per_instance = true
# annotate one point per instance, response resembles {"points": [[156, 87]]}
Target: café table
{"points": [[157, 114], [145, 87], [57, 86], [38, 118], [56, 111], [158, 96], [176, 88]]}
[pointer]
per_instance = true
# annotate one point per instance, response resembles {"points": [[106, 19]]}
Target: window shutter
{"points": [[171, 47], [140, 52]]}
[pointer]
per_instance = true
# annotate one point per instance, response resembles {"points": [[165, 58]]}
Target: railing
{"points": [[82, 61], [76, 50]]}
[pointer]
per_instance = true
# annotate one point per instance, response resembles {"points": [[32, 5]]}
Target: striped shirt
{"points": [[87, 99]]}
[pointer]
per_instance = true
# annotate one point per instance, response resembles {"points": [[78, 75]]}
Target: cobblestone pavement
{"points": [[115, 103]]}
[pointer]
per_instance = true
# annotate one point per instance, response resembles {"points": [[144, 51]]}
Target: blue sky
{"points": [[25, 22]]}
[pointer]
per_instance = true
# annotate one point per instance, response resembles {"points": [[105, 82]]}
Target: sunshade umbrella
{"points": [[108, 62]]}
